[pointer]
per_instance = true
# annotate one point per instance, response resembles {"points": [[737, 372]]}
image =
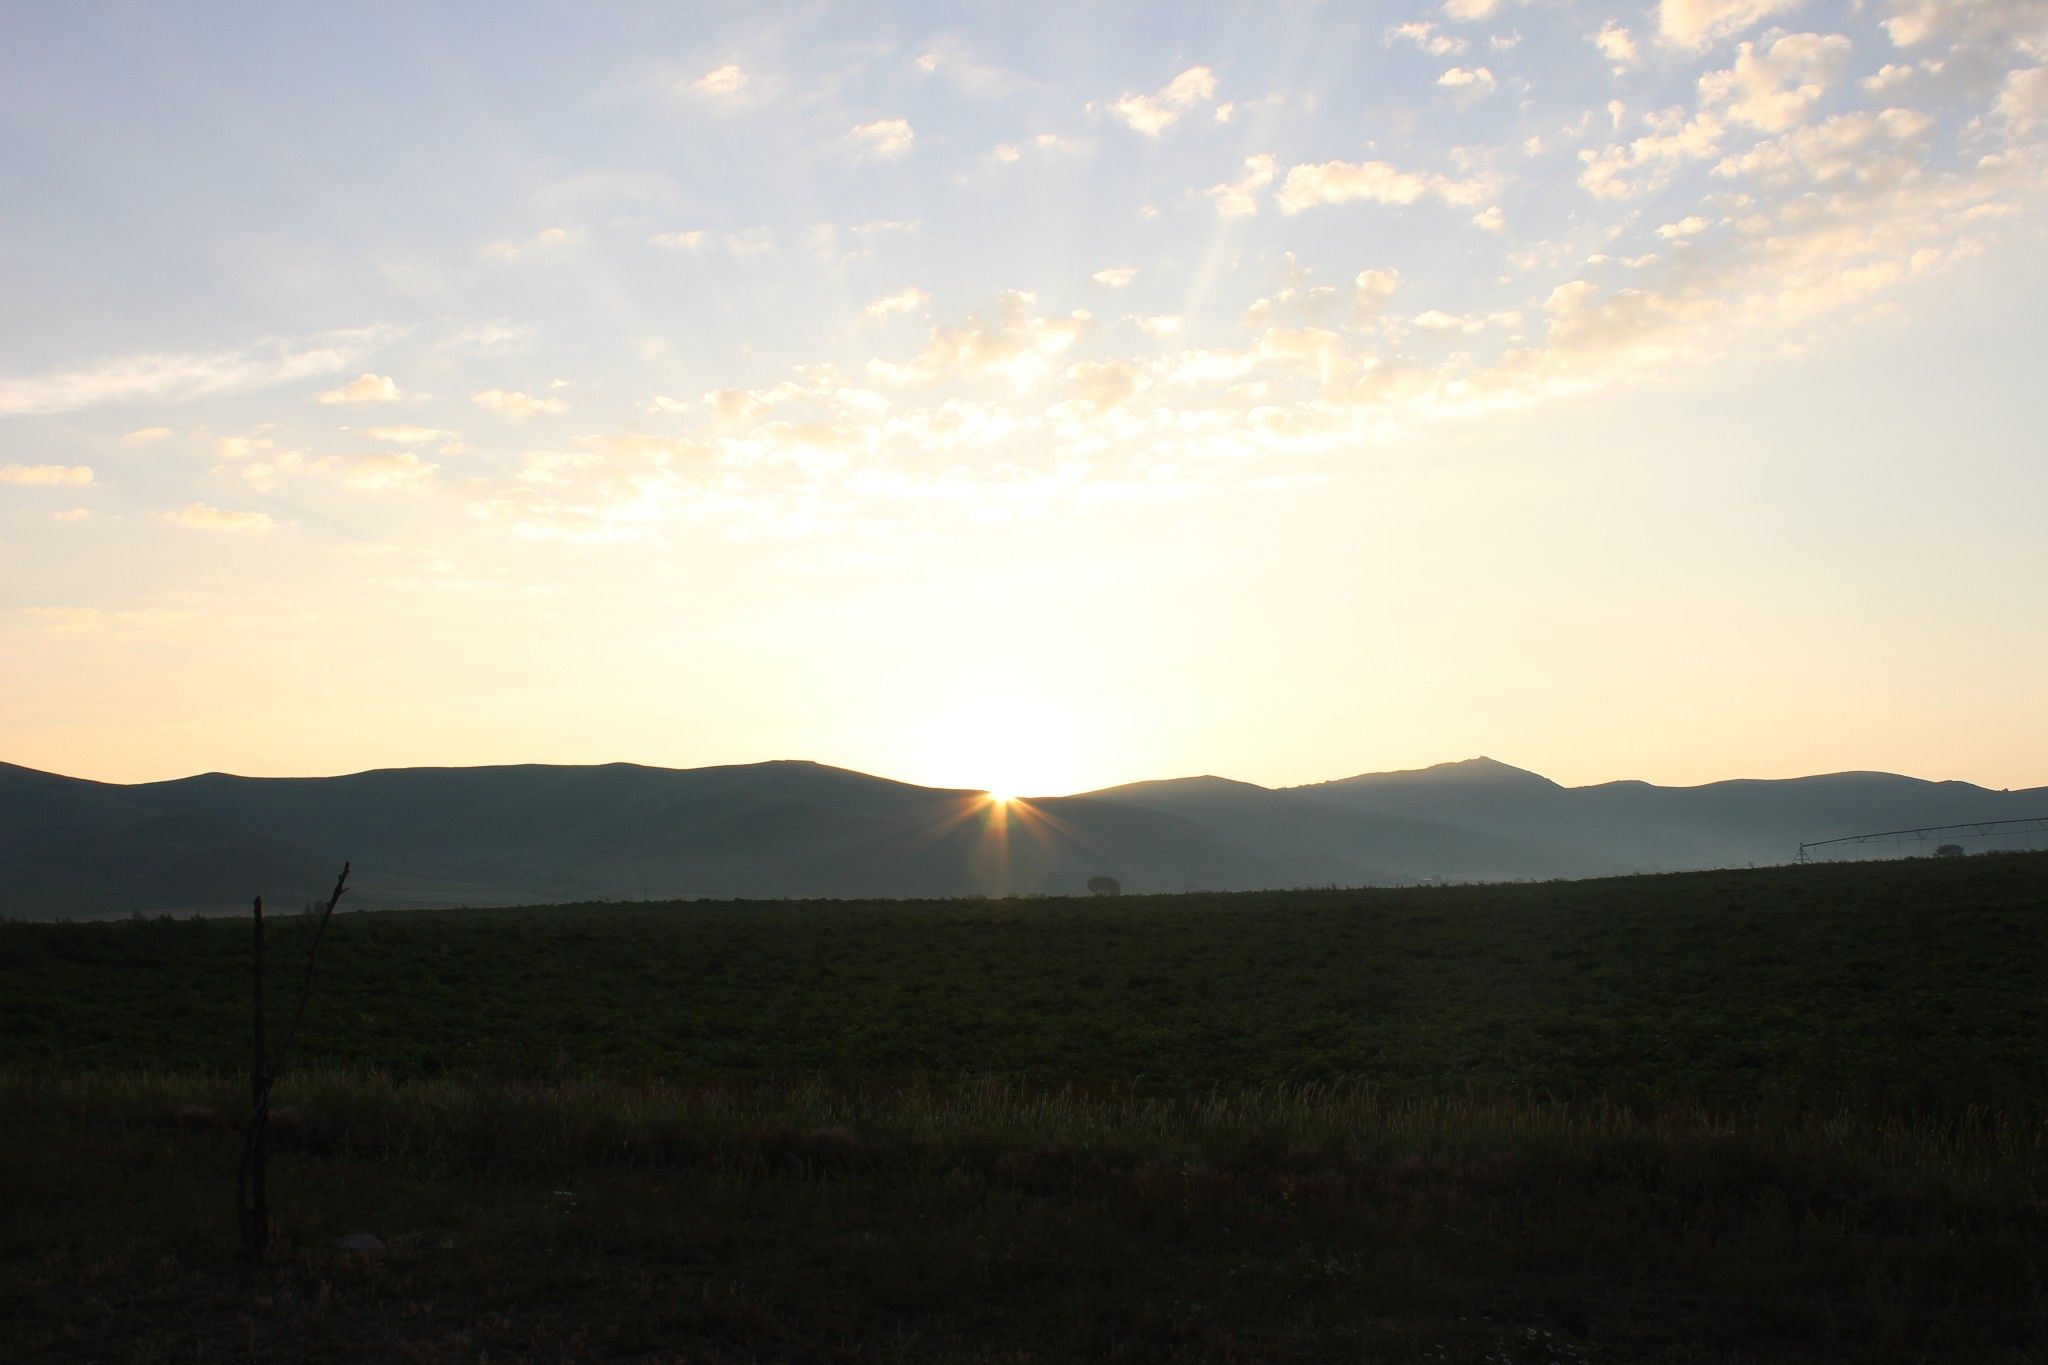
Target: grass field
{"points": [[1792, 1114]]}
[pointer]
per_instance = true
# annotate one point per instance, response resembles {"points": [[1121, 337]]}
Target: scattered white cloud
{"points": [[376, 471], [1490, 219], [1469, 11], [721, 81], [1471, 81], [1239, 198], [491, 340], [1153, 114], [145, 435], [1104, 385], [203, 517], [364, 388], [546, 240], [908, 300], [1160, 326], [1615, 44], [952, 62], [1011, 342], [2023, 99], [1647, 163], [46, 475], [882, 140], [1695, 23], [241, 447], [408, 435], [1343, 182], [511, 403], [1115, 277], [1371, 290], [1437, 320], [182, 376], [93, 620], [1771, 89], [1428, 38], [1836, 149], [1691, 226]]}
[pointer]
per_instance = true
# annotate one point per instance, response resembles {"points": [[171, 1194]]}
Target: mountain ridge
{"points": [[503, 833]]}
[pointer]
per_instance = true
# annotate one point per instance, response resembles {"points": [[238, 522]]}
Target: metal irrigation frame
{"points": [[2034, 824]]}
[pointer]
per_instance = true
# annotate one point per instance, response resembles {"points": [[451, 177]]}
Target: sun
{"points": [[1007, 740]]}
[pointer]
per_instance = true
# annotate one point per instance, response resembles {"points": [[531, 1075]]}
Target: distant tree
{"points": [[1105, 886], [1949, 851]]}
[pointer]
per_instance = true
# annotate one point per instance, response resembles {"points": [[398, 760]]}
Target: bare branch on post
{"points": [[252, 1195]]}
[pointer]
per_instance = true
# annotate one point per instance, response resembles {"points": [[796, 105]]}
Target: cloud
{"points": [[181, 376], [951, 62], [408, 435], [1845, 146], [491, 340], [201, 517], [144, 435], [46, 475], [1371, 289], [753, 241], [514, 404], [1050, 144], [1160, 326], [1772, 89], [546, 240], [677, 241], [1490, 219], [1615, 44], [882, 140], [1011, 343], [1239, 198], [1685, 227], [902, 301], [1472, 83], [364, 388], [1342, 182], [1626, 170], [1104, 385], [87, 620], [377, 472], [1153, 114], [720, 81], [1695, 23], [1424, 35], [1436, 320], [2023, 99], [1467, 11], [1115, 277], [242, 447]]}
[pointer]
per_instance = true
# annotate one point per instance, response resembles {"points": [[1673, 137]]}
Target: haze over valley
{"points": [[534, 833]]}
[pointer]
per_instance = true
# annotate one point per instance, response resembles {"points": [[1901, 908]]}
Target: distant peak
{"points": [[1458, 772], [1206, 784]]}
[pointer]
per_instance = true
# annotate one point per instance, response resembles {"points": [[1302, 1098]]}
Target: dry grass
{"points": [[808, 1218]]}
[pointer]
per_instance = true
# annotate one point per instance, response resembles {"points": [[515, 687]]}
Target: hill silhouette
{"points": [[527, 833]]}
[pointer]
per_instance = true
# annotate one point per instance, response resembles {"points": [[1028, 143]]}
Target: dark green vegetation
{"points": [[1794, 1114], [1911, 984]]}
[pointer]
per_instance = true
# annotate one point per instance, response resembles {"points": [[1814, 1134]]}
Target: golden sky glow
{"points": [[1618, 390]]}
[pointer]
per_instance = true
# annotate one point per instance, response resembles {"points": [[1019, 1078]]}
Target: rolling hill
{"points": [[502, 835]]}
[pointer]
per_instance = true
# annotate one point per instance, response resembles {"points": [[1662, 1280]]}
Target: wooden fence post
{"points": [[259, 1154], [252, 1194]]}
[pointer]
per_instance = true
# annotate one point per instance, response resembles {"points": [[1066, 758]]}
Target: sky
{"points": [[1026, 397]]}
